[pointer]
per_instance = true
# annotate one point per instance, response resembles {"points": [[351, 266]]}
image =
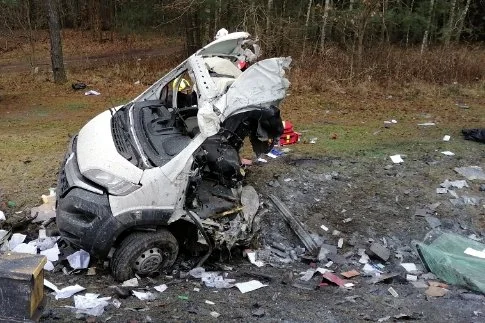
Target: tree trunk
{"points": [[307, 20], [424, 45], [56, 44], [461, 20], [409, 22], [324, 25], [451, 23], [268, 15]]}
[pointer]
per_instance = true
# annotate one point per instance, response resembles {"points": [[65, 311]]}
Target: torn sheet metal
{"points": [[296, 225], [262, 84]]}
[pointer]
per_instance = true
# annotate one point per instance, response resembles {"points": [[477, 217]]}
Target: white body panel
{"points": [[96, 150]]}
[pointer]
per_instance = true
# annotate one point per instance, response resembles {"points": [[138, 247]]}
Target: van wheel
{"points": [[144, 254]]}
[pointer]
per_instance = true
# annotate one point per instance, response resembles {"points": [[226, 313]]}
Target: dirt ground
{"points": [[347, 173]]}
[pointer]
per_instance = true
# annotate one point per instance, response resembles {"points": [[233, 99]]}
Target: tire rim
{"points": [[149, 261]]}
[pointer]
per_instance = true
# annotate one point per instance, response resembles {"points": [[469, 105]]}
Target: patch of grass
{"points": [[76, 106]]}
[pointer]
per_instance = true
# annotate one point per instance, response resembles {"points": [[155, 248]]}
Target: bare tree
{"points": [[424, 45], [307, 21], [324, 25], [56, 43], [461, 20], [451, 23]]}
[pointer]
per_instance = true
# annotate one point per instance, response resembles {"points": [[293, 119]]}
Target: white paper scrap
{"points": [[427, 124], [209, 302], [249, 286], [2, 216], [116, 303], [475, 253], [340, 243], [409, 266], [52, 254], [130, 283], [396, 159], [49, 266], [15, 240], [79, 259], [324, 228], [446, 138], [252, 259], [25, 248], [161, 288], [144, 296], [411, 278], [92, 92], [90, 304], [66, 292], [448, 153], [441, 190]]}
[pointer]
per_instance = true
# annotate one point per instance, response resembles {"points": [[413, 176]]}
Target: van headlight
{"points": [[114, 184]]}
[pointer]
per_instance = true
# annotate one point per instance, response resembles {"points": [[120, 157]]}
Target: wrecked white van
{"points": [[163, 172]]}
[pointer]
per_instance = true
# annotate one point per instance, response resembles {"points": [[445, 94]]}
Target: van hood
{"points": [[96, 151], [227, 45]]}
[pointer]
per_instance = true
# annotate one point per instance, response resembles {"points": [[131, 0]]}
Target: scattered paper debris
{"points": [[427, 124], [144, 296], [441, 190], [79, 259], [249, 286], [471, 172], [350, 274], [448, 153], [15, 240], [116, 303], [66, 292], [49, 266], [347, 220], [130, 283], [90, 304], [410, 267], [436, 291], [446, 138], [396, 159], [161, 288], [2, 216], [324, 228], [340, 243], [475, 253], [411, 278], [25, 248], [92, 92], [393, 292], [52, 254], [215, 314], [209, 302]]}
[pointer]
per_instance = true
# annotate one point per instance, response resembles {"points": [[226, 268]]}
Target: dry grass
{"points": [[392, 67]]}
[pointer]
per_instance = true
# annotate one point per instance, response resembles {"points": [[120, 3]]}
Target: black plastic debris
{"points": [[78, 86], [474, 134]]}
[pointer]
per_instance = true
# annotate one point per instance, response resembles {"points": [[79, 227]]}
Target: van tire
{"points": [[124, 262]]}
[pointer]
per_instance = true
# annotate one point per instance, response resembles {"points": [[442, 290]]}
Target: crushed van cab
{"points": [[163, 172]]}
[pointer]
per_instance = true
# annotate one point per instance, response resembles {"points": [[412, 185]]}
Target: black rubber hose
{"points": [[197, 222]]}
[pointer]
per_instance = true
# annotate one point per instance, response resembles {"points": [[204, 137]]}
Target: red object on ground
{"points": [[289, 135], [334, 279]]}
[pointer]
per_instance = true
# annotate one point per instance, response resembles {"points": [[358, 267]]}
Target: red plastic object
{"points": [[334, 279], [289, 135]]}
